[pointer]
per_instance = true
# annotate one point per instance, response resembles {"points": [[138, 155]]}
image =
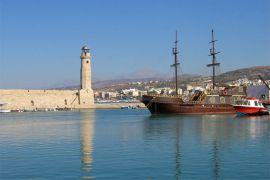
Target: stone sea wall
{"points": [[31, 99]]}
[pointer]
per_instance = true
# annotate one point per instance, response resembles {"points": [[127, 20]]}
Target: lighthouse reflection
{"points": [[87, 134]]}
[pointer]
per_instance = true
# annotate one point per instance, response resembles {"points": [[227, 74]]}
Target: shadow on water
{"points": [[87, 126], [218, 131]]}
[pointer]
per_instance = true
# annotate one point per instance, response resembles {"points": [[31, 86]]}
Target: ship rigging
{"points": [[176, 63], [214, 63]]}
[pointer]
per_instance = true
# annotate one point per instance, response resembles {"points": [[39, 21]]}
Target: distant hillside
{"points": [[250, 73], [124, 82]]}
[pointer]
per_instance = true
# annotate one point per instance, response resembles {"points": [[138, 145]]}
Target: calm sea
{"points": [[132, 144]]}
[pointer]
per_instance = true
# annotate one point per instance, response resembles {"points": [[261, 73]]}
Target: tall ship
{"points": [[217, 100]]}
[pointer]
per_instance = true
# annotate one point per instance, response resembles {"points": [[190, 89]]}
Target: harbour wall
{"points": [[118, 105], [32, 99]]}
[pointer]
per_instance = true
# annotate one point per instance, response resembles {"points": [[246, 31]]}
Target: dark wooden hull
{"points": [[171, 105]]}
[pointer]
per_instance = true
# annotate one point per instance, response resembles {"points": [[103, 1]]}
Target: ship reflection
{"points": [[213, 129], [223, 131], [214, 133], [87, 134], [257, 125], [176, 129], [177, 151]]}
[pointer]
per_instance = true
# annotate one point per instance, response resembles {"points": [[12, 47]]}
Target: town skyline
{"points": [[40, 42]]}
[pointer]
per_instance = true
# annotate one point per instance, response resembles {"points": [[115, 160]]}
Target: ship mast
{"points": [[214, 61], [176, 63]]}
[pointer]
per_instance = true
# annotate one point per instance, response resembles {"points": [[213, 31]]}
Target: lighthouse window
{"points": [[87, 61]]}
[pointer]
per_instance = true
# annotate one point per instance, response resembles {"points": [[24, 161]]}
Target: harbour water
{"points": [[132, 144]]}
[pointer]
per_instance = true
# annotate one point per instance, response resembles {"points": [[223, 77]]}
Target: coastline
{"points": [[118, 105]]}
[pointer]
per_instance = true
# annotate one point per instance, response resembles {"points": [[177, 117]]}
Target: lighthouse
{"points": [[85, 68], [80, 98], [86, 97]]}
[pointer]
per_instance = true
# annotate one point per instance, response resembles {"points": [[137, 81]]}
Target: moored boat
{"points": [[2, 109], [218, 100], [250, 106], [199, 103]]}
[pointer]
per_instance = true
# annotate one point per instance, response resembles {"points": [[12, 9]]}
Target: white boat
{"points": [[2, 109], [5, 110]]}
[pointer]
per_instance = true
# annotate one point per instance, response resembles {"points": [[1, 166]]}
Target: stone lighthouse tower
{"points": [[86, 97], [85, 68]]}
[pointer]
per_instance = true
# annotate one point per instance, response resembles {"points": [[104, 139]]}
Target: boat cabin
{"points": [[251, 102]]}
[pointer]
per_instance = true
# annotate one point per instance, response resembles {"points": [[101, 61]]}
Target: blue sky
{"points": [[41, 40]]}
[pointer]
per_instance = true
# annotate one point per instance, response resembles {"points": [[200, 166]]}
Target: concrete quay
{"points": [[118, 105]]}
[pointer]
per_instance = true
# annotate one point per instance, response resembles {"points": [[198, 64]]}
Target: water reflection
{"points": [[257, 125], [157, 124], [214, 129], [177, 152], [216, 160], [215, 134], [87, 134]]}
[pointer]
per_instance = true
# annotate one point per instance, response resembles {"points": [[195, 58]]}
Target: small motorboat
{"points": [[2, 109], [250, 106]]}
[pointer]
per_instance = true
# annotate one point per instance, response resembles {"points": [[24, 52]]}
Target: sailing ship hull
{"points": [[162, 108], [168, 105]]}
